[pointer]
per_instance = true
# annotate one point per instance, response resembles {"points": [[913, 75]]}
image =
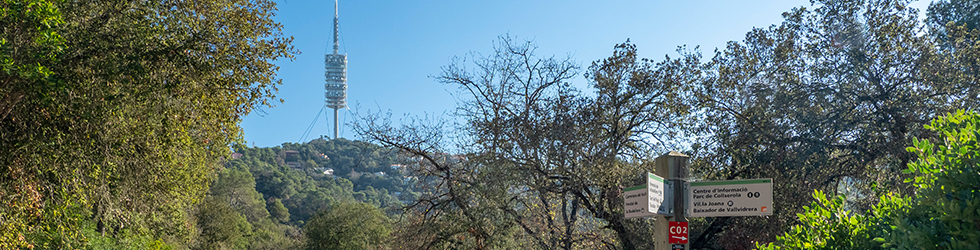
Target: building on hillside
{"points": [[326, 171], [292, 159]]}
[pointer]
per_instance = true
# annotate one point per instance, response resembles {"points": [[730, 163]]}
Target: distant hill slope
{"points": [[264, 196], [294, 174]]}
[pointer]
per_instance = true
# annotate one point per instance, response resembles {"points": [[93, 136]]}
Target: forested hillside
{"points": [[362, 172], [262, 198]]}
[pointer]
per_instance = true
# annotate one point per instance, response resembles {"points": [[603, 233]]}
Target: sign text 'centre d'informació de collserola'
{"points": [[648, 199], [729, 198]]}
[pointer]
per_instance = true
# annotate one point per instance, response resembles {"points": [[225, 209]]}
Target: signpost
{"points": [[677, 232], [673, 203], [674, 166], [646, 200], [750, 197]]}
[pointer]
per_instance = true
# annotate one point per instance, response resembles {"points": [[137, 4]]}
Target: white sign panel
{"points": [[730, 198], [659, 200], [636, 202], [646, 200]]}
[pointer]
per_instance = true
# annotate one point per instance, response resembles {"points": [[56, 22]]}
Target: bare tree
{"points": [[539, 163]]}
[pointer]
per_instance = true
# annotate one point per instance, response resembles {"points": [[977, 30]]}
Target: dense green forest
{"points": [[119, 129], [263, 197]]}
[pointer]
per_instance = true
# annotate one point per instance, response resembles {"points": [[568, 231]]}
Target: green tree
{"points": [[234, 189], [945, 213], [826, 100], [278, 211], [119, 111], [942, 213], [276, 200], [29, 47], [946, 14], [827, 224], [221, 226], [348, 226], [237, 188]]}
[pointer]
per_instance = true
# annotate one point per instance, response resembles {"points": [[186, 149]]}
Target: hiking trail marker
{"points": [[677, 232], [672, 199]]}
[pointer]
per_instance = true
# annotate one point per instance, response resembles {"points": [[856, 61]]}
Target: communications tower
{"points": [[335, 71]]}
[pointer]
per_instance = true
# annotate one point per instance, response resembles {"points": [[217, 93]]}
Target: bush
{"points": [[944, 214], [348, 226]]}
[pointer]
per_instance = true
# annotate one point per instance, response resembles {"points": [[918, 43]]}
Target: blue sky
{"points": [[394, 47]]}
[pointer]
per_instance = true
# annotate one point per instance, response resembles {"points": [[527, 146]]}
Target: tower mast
{"points": [[336, 28], [335, 72]]}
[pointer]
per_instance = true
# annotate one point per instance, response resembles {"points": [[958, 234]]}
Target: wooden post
{"points": [[673, 166]]}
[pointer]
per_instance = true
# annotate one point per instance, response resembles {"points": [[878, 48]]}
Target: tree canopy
{"points": [[118, 112], [941, 214], [348, 226], [828, 100]]}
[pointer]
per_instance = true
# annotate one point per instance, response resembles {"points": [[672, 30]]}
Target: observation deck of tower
{"points": [[335, 71]]}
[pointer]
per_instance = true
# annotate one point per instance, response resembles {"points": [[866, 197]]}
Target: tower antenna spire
{"points": [[336, 28]]}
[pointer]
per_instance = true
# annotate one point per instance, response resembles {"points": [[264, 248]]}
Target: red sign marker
{"points": [[677, 232]]}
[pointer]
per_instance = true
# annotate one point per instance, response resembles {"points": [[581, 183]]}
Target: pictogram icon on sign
{"points": [[677, 232]]}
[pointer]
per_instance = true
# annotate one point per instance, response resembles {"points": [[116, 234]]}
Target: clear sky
{"points": [[394, 47]]}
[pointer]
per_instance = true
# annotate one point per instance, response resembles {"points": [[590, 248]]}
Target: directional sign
{"points": [[659, 201], [677, 232], [646, 200], [635, 199], [730, 198]]}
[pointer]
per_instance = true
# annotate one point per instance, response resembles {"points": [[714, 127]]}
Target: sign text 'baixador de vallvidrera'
{"points": [[729, 198]]}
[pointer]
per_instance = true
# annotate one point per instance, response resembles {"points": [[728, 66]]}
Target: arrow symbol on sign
{"points": [[679, 237]]}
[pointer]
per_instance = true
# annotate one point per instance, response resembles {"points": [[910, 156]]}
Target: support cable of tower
{"points": [[309, 129]]}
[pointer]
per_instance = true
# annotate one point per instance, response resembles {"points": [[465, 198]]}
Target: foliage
{"points": [[278, 211], [117, 112], [221, 226], [258, 202], [943, 214], [946, 14], [828, 224], [302, 192], [235, 215], [826, 100], [348, 226], [29, 47], [236, 188], [126, 239]]}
